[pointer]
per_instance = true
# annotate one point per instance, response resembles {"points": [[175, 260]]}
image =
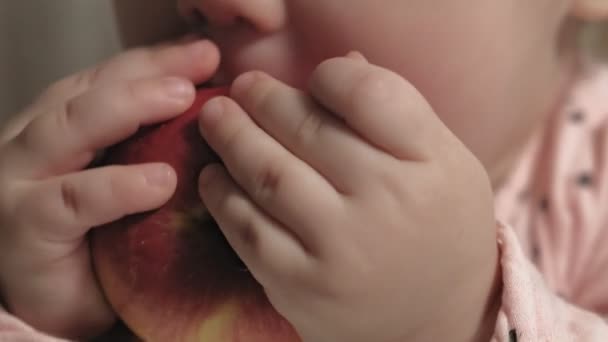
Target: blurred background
{"points": [[42, 41]]}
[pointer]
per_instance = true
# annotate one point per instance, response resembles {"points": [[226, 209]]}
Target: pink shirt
{"points": [[553, 235]]}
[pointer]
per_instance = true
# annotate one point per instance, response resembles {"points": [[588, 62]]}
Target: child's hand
{"points": [[361, 214], [48, 202]]}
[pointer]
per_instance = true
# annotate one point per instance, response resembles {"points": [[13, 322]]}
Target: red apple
{"points": [[170, 274]]}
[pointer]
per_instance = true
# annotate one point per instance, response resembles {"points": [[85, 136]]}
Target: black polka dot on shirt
{"points": [[544, 204], [535, 253], [577, 116], [513, 335], [585, 179]]}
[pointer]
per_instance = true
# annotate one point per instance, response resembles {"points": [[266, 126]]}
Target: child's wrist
{"points": [[480, 328], [488, 324], [472, 315]]}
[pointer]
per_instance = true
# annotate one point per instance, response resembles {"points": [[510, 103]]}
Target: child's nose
{"points": [[263, 15]]}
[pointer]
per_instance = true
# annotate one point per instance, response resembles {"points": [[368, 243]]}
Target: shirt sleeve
{"points": [[530, 311], [14, 330]]}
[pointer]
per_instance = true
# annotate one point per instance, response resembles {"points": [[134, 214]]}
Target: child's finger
{"points": [[282, 185], [380, 105], [268, 249], [196, 61], [66, 139], [62, 209], [306, 129]]}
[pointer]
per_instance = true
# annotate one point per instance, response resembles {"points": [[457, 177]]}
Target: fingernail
{"points": [[199, 47], [244, 82], [356, 55], [158, 175], [178, 88], [213, 109]]}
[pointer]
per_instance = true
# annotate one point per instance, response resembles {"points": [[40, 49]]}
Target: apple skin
{"points": [[170, 274]]}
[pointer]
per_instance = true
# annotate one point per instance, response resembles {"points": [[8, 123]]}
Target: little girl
{"points": [[415, 170]]}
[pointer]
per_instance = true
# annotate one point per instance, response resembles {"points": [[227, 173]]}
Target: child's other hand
{"points": [[361, 214], [48, 201]]}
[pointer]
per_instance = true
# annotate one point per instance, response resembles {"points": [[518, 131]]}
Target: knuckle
{"points": [[248, 234], [66, 115], [120, 101], [68, 85], [268, 181], [144, 56], [68, 194], [95, 74], [57, 88], [25, 137], [72, 85], [30, 136], [399, 193], [132, 90], [83, 80], [88, 77], [309, 129]]}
